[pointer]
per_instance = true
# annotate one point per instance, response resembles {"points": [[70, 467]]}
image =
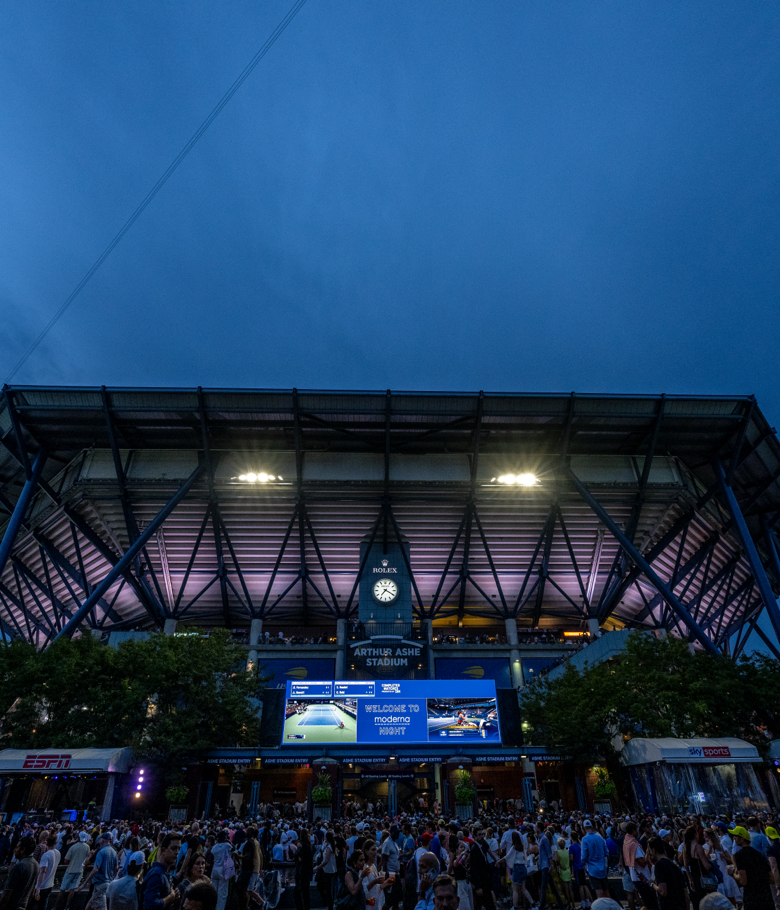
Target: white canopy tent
{"points": [[641, 751]]}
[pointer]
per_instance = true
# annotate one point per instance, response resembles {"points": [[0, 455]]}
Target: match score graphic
{"points": [[391, 712]]}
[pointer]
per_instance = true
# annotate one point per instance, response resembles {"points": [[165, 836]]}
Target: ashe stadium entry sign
{"points": [[365, 712]]}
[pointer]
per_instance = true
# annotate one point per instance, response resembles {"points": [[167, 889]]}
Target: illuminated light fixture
{"points": [[520, 480], [138, 787], [262, 477], [137, 795], [574, 634]]}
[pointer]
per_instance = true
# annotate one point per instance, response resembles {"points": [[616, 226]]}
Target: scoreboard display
{"points": [[374, 712]]}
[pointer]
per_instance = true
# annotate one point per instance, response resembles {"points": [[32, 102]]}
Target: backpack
{"points": [[228, 867]]}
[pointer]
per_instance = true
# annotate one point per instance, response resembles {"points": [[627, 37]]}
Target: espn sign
{"points": [[54, 762]]}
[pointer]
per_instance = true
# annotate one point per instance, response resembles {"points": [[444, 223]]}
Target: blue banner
{"points": [[281, 670], [478, 668]]}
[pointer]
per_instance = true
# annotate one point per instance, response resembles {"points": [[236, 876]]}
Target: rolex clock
{"points": [[385, 591]]}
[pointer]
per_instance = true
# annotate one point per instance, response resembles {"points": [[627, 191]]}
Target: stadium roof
{"points": [[649, 511]]}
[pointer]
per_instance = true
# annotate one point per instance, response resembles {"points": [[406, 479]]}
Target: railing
{"points": [[358, 631]]}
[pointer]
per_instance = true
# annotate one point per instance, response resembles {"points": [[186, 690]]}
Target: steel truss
{"points": [[700, 574]]}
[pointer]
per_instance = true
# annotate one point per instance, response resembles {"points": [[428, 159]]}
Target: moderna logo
{"points": [[55, 762]]}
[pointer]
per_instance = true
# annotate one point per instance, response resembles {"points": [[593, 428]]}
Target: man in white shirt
{"points": [[506, 838], [48, 869]]}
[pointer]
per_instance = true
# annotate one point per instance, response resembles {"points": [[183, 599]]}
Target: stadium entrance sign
{"points": [[385, 712]]}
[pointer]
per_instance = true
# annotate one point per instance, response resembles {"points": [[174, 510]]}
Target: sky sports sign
{"points": [[391, 712], [709, 751]]}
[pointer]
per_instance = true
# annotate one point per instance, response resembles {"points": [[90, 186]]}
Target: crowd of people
{"points": [[415, 861]]}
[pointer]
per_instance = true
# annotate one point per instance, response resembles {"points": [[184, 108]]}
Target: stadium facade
{"points": [[388, 536]]}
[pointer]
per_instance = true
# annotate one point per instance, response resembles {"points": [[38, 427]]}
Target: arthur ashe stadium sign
{"points": [[390, 656]]}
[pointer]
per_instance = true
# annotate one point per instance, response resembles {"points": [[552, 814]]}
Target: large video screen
{"points": [[392, 712]]}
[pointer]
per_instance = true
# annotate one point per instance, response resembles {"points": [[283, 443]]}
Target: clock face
{"points": [[385, 591]]}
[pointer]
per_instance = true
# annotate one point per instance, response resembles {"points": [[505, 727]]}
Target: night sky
{"points": [[438, 194]]}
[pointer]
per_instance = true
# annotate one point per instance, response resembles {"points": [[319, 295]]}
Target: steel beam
{"points": [[141, 590], [544, 569], [759, 572], [613, 592], [30, 578], [20, 509], [124, 563], [64, 567], [532, 562], [644, 565], [131, 524]]}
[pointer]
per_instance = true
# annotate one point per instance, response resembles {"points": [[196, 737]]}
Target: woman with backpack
{"points": [[352, 895], [223, 869]]}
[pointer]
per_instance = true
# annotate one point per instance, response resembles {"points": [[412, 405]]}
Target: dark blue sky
{"points": [[428, 194], [419, 194]]}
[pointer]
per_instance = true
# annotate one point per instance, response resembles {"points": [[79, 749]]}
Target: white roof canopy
{"points": [[78, 761], [640, 751]]}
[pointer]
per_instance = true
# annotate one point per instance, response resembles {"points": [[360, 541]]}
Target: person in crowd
{"points": [[157, 891], [201, 896], [104, 870], [752, 872], [304, 871], [445, 894], [773, 855], [20, 883], [75, 857], [251, 867], [221, 869], [354, 877], [595, 859], [428, 868], [122, 893], [668, 881], [562, 859], [326, 870], [48, 864], [696, 864], [193, 872], [481, 872], [635, 861]]}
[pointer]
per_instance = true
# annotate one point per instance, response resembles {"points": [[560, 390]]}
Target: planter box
{"points": [[178, 813], [464, 812], [323, 812]]}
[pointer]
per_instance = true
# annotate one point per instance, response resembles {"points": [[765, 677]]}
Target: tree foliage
{"points": [[163, 697], [657, 687]]}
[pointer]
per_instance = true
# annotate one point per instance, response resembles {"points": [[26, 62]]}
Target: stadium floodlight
{"points": [[261, 477], [521, 480]]}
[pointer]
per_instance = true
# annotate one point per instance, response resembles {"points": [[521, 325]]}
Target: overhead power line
{"points": [[242, 77]]}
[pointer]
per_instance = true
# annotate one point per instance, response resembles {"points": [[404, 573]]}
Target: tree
{"points": [[164, 697], [656, 688]]}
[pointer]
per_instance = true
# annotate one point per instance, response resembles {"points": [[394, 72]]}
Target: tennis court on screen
{"points": [[313, 722]]}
